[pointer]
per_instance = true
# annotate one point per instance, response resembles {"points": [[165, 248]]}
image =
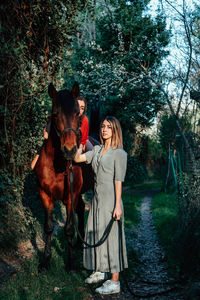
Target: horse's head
{"points": [[65, 119]]}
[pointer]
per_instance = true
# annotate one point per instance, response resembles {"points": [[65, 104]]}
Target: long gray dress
{"points": [[107, 168]]}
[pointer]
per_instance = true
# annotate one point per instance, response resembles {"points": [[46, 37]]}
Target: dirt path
{"points": [[153, 278], [153, 269]]}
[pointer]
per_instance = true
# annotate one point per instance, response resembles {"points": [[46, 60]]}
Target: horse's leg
{"points": [[48, 229], [69, 226], [80, 213], [69, 232]]}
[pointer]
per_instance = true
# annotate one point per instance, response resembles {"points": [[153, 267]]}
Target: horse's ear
{"points": [[52, 92], [75, 90]]}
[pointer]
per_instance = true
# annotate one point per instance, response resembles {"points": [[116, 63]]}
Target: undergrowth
{"points": [[165, 213], [132, 204], [58, 283], [55, 283]]}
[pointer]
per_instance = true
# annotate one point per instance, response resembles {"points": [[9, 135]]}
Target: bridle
{"points": [[61, 132]]}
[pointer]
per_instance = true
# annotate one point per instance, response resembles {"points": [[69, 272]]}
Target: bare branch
{"points": [[177, 120], [174, 8], [188, 35]]}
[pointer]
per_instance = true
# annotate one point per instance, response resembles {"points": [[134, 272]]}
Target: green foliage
{"points": [[34, 36], [188, 240], [166, 216], [20, 210], [136, 173], [32, 41], [155, 150], [155, 156], [12, 213], [57, 283], [150, 185], [132, 204], [168, 130], [108, 62]]}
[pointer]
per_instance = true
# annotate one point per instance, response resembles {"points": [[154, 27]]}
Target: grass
{"points": [[57, 283], [165, 213], [132, 204], [154, 184]]}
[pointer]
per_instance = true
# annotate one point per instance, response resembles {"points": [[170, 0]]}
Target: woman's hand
{"points": [[80, 150], [117, 212], [79, 157], [118, 192]]}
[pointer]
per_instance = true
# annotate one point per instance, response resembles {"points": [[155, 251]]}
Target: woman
{"points": [[109, 164]]}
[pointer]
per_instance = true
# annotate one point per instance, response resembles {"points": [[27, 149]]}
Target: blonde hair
{"points": [[117, 140]]}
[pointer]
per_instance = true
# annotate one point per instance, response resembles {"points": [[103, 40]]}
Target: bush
{"points": [[136, 173], [166, 219], [16, 219], [188, 240], [177, 219]]}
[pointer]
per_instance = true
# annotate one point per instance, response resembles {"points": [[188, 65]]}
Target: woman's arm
{"points": [[118, 193], [79, 157]]}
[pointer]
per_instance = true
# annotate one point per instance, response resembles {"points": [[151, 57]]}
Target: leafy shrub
{"points": [[166, 220], [136, 173], [188, 238], [15, 219]]}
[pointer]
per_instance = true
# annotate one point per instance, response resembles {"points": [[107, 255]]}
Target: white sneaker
{"points": [[95, 277], [109, 287]]}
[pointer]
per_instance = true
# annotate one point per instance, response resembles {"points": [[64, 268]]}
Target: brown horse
{"points": [[52, 168]]}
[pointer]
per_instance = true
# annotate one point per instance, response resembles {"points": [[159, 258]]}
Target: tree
{"points": [[180, 77], [34, 36], [108, 65]]}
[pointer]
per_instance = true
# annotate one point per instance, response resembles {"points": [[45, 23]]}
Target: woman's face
{"points": [[106, 130], [81, 104]]}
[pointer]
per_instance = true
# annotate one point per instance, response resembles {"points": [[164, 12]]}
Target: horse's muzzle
{"points": [[69, 154]]}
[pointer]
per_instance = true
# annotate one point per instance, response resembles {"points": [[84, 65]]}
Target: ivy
{"points": [[35, 34]]}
